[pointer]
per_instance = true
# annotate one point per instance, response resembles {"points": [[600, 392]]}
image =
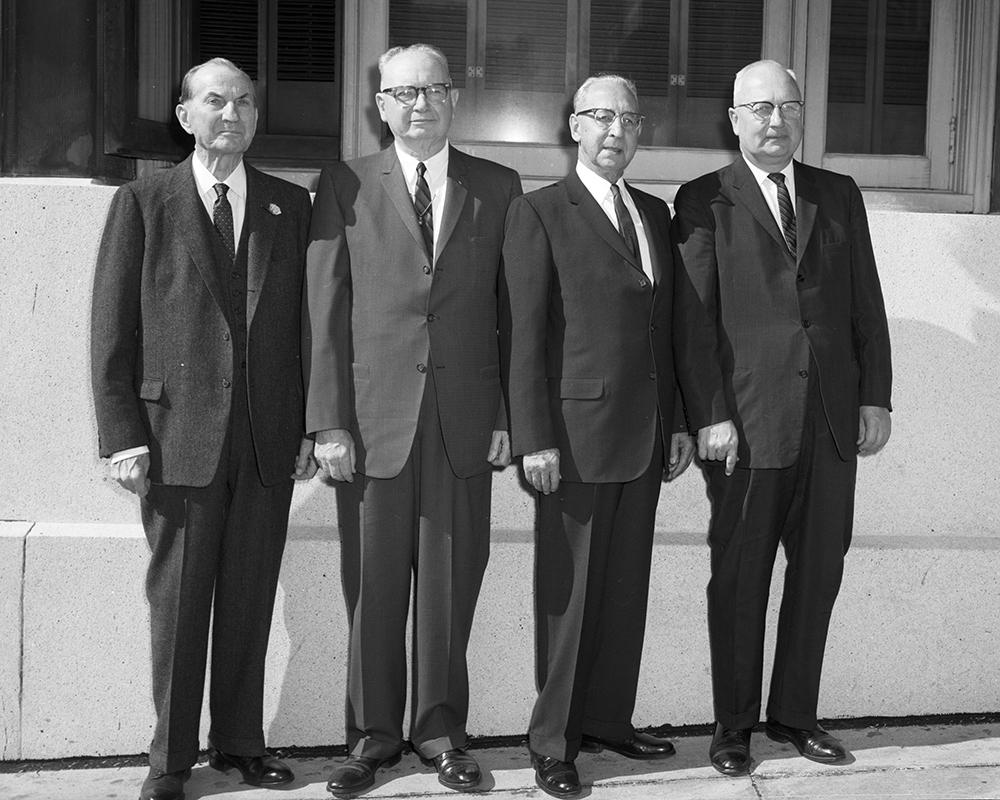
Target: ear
{"points": [[380, 103], [182, 117], [734, 119], [453, 97], [574, 127]]}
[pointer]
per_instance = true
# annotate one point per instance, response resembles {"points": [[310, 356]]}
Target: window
{"points": [[290, 48]]}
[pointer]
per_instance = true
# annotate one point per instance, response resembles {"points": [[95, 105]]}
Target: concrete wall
{"points": [[915, 631]]}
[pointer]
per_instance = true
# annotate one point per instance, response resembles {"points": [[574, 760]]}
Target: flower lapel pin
{"points": [[274, 208]]}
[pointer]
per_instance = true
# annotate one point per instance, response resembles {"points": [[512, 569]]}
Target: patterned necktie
{"points": [[625, 225], [787, 212], [422, 205], [222, 218]]}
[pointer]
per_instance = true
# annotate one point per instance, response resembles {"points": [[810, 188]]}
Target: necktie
{"points": [[787, 212], [422, 205], [625, 225], [222, 218]]}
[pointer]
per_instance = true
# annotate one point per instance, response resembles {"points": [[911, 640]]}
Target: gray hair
{"points": [[605, 76], [419, 47], [216, 62], [763, 62]]}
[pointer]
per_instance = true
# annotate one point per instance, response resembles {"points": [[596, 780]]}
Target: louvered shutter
{"points": [[228, 29], [632, 39], [440, 23], [526, 45], [723, 37]]}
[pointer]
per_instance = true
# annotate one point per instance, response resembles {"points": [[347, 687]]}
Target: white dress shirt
{"points": [[437, 181], [770, 188], [601, 190]]}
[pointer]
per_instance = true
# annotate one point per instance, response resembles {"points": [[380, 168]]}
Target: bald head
{"points": [[749, 79]]}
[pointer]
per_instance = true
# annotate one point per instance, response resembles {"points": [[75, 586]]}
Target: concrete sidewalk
{"points": [[935, 762]]}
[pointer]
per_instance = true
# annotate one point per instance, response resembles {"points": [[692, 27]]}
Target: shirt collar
{"points": [[437, 164], [205, 180], [761, 175], [599, 187]]}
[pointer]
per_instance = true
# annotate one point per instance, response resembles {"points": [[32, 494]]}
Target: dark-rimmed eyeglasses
{"points": [[762, 109], [435, 93], [605, 117]]}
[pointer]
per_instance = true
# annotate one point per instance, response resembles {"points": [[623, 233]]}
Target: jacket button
{"points": [[642, 282], [800, 277], [421, 368], [806, 323], [225, 336], [431, 317], [427, 270], [652, 376], [803, 373], [225, 383]]}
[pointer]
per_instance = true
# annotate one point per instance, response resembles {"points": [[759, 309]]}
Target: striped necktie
{"points": [[787, 212], [422, 205]]}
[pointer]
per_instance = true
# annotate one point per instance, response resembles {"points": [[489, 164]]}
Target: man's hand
{"points": [[718, 442], [541, 469], [132, 473], [874, 427], [334, 453], [681, 453], [305, 464], [499, 455]]}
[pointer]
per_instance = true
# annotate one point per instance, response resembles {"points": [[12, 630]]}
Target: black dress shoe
{"points": [[555, 777], [730, 750], [815, 744], [164, 785], [256, 770], [357, 774], [638, 745], [456, 770]]}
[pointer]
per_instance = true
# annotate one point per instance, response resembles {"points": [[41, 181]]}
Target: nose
{"points": [[421, 100], [229, 112]]}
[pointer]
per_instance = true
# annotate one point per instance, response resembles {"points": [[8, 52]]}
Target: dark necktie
{"points": [[222, 218], [625, 225], [422, 205], [787, 212]]}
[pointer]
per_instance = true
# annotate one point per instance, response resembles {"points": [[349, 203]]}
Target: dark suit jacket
{"points": [[772, 313], [161, 348], [594, 353], [377, 318]]}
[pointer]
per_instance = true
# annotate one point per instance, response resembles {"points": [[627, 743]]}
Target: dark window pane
{"points": [[879, 61], [632, 39], [723, 37], [306, 40], [441, 23], [228, 29], [526, 45]]}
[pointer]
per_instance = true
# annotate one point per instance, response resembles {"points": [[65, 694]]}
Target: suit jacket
{"points": [[593, 353], [161, 347], [378, 319], [775, 315]]}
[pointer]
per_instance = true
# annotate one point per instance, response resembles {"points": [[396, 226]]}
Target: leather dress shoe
{"points": [[639, 745], [730, 750], [357, 774], [815, 744], [164, 785], [555, 777], [256, 770], [456, 770]]}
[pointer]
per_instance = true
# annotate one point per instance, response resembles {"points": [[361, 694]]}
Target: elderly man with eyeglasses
{"points": [[403, 393], [601, 330], [780, 255]]}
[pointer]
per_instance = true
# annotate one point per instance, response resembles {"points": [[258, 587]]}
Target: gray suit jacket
{"points": [[161, 348]]}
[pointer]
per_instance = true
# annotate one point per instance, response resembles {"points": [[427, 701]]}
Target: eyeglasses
{"points": [[605, 118], [435, 93], [790, 109]]}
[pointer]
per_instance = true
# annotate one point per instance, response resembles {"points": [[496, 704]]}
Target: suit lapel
{"points": [[746, 192], [260, 223], [596, 219], [806, 203], [187, 212], [395, 187], [454, 198]]}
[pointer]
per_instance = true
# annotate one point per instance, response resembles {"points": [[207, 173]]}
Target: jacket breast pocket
{"points": [[150, 389], [581, 388]]}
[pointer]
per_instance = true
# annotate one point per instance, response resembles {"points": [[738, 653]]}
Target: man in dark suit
{"points": [[404, 396], [198, 389], [793, 289], [601, 331]]}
